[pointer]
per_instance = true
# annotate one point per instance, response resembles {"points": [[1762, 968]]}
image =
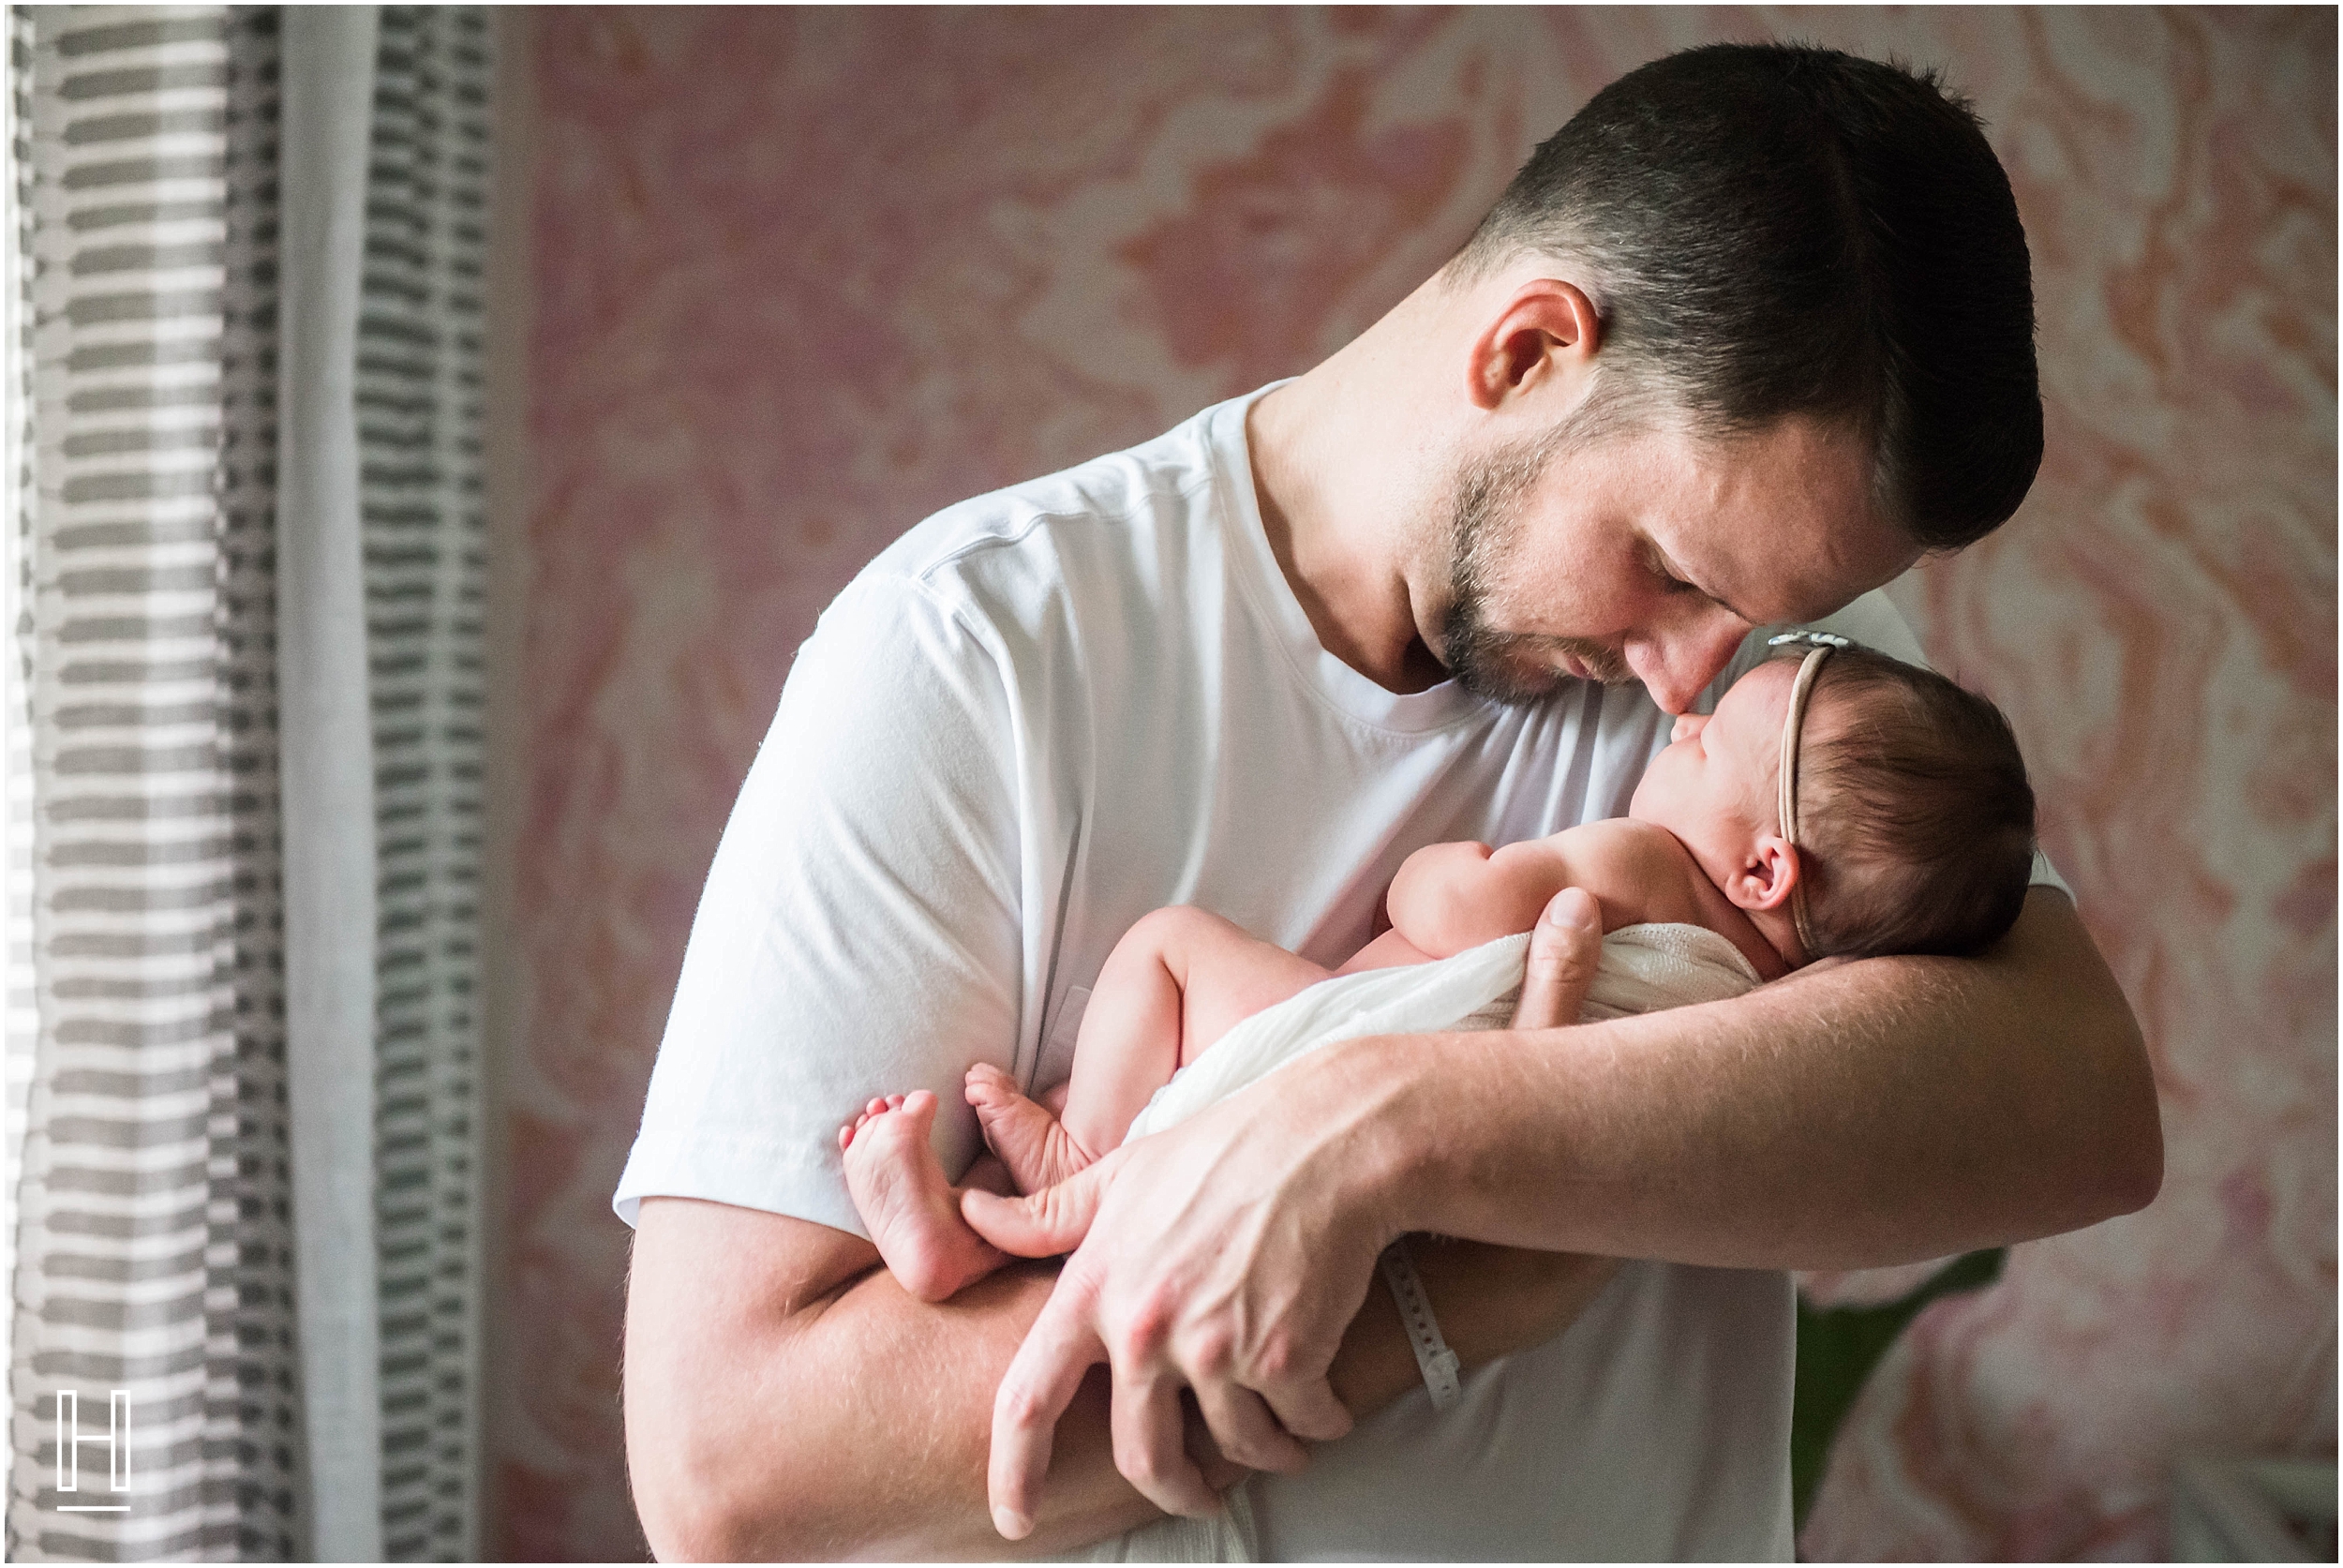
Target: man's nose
{"points": [[1675, 669]]}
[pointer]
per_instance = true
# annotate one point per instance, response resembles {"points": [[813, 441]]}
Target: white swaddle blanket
{"points": [[1644, 968]]}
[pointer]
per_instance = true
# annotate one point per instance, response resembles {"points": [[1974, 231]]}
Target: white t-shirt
{"points": [[1044, 713]]}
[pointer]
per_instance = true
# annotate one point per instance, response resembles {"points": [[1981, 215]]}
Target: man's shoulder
{"points": [[1099, 519]]}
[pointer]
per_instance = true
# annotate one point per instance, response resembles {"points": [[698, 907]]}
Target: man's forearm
{"points": [[771, 1417], [1870, 1112], [777, 1409], [900, 1457]]}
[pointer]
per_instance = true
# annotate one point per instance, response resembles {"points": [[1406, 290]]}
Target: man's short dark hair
{"points": [[1775, 230]]}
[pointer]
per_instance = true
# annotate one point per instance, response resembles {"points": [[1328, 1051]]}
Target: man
{"points": [[1743, 341]]}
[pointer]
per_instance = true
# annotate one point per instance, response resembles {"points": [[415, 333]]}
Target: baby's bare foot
{"points": [[912, 1212], [1034, 1144]]}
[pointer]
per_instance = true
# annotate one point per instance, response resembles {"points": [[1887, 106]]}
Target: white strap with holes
{"points": [[1432, 1355]]}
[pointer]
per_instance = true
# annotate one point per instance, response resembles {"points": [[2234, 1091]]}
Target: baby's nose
{"points": [[1688, 725]]}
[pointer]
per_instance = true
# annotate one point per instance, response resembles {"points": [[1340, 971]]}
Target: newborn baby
{"points": [[1837, 803]]}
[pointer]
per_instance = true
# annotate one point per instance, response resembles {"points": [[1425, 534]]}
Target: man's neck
{"points": [[1345, 478]]}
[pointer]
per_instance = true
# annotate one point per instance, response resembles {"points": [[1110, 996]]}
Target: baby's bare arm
{"points": [[1448, 897]]}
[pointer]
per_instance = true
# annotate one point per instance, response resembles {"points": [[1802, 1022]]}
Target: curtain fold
{"points": [[242, 696], [22, 1015], [325, 762], [419, 380]]}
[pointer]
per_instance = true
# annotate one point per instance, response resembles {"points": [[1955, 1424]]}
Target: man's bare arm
{"points": [[785, 1399], [1854, 1115]]}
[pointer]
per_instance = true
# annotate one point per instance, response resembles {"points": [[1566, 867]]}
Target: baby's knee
{"points": [[1182, 927]]}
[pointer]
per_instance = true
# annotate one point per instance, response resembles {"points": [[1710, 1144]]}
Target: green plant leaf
{"points": [[1837, 1348]]}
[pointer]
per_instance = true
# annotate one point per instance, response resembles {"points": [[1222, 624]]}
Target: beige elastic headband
{"points": [[1819, 645]]}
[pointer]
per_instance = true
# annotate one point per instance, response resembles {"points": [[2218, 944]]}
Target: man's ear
{"points": [[1546, 337], [1767, 876]]}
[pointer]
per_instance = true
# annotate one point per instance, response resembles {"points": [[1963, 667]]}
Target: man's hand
{"points": [[1931, 1106], [1564, 950], [1243, 1299], [734, 1315]]}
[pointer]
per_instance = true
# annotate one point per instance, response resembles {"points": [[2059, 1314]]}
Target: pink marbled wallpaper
{"points": [[801, 276]]}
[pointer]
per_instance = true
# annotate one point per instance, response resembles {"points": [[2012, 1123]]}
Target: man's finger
{"points": [[1151, 1447], [1039, 1383], [1564, 949], [1246, 1431], [1309, 1409], [1044, 1224]]}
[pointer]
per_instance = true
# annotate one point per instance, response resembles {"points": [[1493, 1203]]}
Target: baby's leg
{"points": [[1177, 981], [912, 1212]]}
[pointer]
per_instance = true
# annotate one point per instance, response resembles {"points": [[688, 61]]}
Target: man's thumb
{"points": [[1042, 1224], [1564, 949]]}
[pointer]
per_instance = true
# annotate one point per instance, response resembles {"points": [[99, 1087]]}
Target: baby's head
{"points": [[1912, 820]]}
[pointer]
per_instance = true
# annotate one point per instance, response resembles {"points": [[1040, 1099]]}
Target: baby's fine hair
{"points": [[1915, 809]]}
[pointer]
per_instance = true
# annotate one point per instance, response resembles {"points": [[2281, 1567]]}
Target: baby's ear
{"points": [[1767, 876]]}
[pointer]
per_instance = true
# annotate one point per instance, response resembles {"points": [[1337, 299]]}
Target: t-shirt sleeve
{"points": [[859, 931], [1874, 622]]}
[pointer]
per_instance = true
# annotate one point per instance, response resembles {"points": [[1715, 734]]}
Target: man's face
{"points": [[1648, 553]]}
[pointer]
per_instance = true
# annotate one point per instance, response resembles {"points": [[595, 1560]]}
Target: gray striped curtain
{"points": [[242, 704]]}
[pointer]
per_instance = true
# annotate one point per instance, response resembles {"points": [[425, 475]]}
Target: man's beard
{"points": [[1515, 669]]}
